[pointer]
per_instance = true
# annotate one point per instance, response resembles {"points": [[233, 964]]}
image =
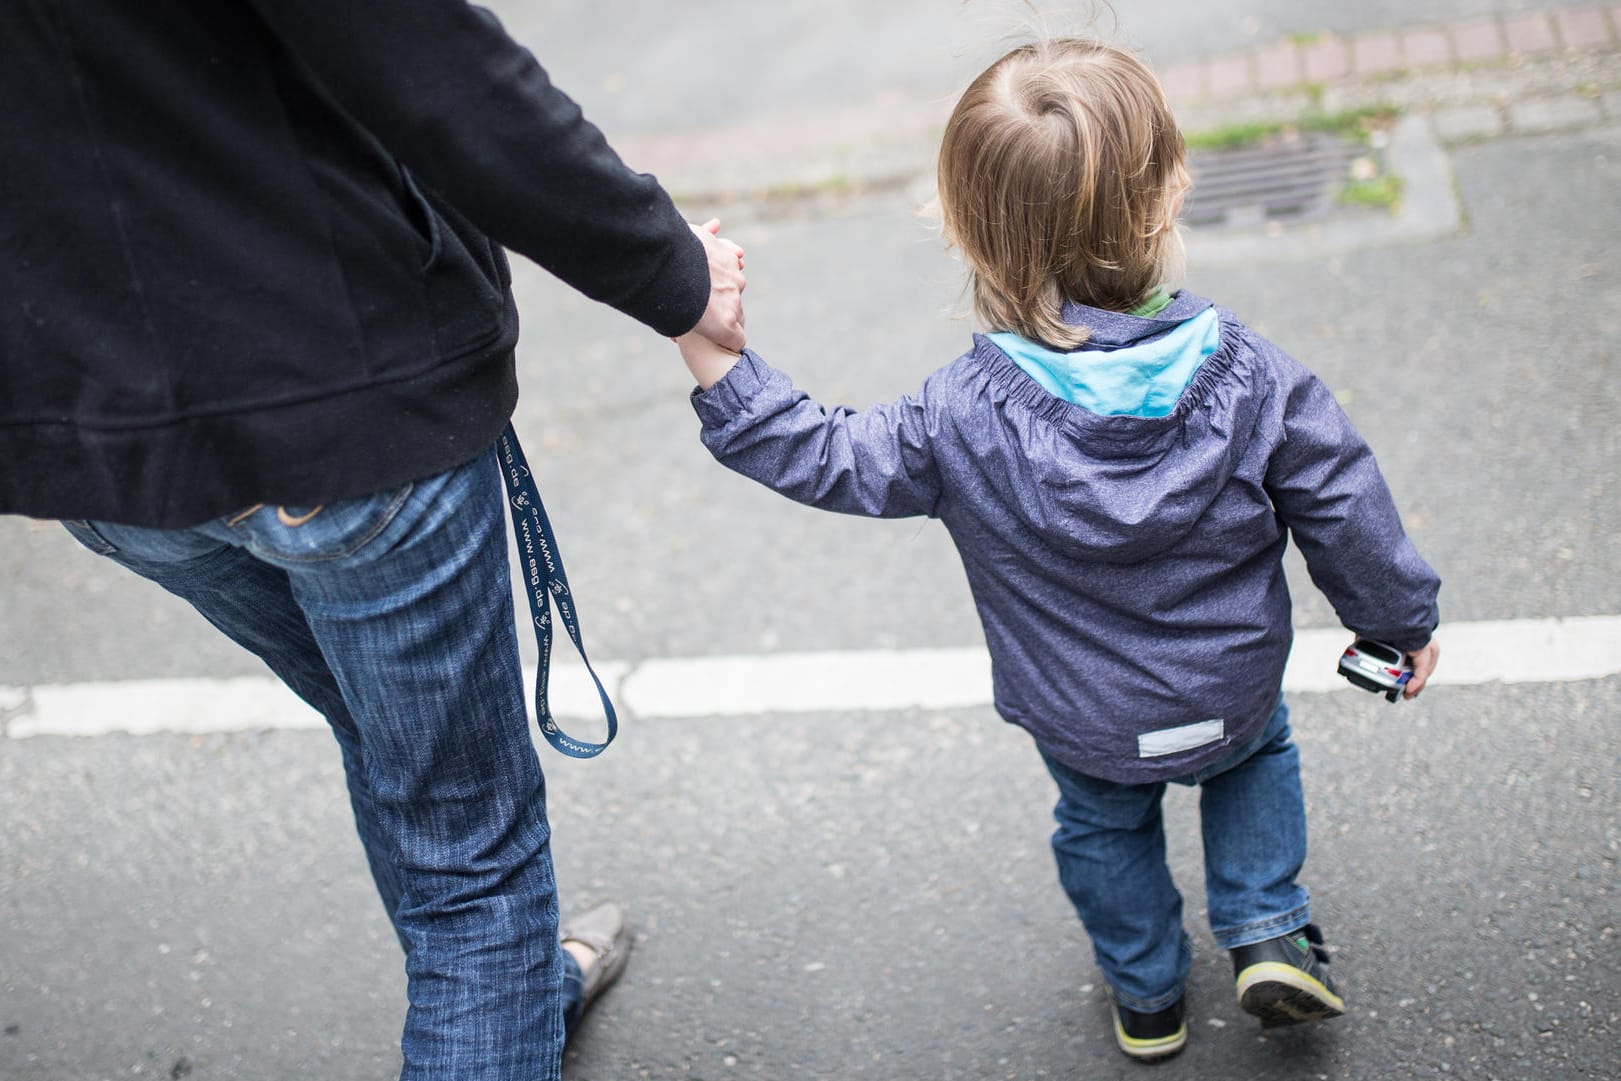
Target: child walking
{"points": [[1120, 467]]}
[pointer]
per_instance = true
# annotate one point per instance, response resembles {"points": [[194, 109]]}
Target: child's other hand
{"points": [[707, 361], [1423, 662]]}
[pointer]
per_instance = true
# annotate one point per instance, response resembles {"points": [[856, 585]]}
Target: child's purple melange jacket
{"points": [[1128, 570]]}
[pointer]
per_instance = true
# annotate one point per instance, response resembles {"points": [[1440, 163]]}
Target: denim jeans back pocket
{"points": [[316, 534], [86, 534]]}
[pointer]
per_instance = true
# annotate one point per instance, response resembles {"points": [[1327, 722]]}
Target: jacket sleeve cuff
{"points": [[734, 393], [1413, 641], [674, 300]]}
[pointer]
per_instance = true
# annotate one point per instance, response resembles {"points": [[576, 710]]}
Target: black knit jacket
{"points": [[252, 251]]}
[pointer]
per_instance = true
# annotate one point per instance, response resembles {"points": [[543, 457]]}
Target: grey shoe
{"points": [[602, 930]]}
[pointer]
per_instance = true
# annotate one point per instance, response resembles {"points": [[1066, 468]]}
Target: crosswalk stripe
{"points": [[1508, 651]]}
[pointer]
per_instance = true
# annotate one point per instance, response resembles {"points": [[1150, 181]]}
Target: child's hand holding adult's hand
{"points": [[1423, 661], [722, 320], [711, 348]]}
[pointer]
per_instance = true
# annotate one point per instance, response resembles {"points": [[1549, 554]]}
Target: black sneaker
{"points": [[1282, 981], [1160, 1034]]}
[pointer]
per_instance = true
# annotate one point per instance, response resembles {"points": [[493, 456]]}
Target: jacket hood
{"points": [[1116, 460], [1139, 379]]}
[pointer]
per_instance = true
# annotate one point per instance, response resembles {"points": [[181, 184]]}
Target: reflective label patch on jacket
{"points": [[1183, 738]]}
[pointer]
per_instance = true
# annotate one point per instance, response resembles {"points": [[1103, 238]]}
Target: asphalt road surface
{"points": [[869, 894]]}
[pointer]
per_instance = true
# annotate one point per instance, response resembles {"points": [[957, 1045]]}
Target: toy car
{"points": [[1376, 666]]}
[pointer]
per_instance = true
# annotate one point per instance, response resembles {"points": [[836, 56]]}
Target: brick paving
{"points": [[1377, 53], [1477, 78], [1277, 66], [1230, 75], [1426, 47], [1477, 41], [1328, 58], [1583, 28], [1529, 34]]}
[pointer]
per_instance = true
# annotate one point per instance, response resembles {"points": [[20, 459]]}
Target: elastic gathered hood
{"points": [[1127, 462], [1141, 379]]}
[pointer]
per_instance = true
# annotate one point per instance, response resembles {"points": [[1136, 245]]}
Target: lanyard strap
{"points": [[547, 585]]}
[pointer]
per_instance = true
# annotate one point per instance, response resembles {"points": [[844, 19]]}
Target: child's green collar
{"points": [[1157, 302]]}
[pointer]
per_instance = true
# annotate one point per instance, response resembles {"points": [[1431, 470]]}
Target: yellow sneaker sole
{"points": [[1155, 1048], [1281, 994]]}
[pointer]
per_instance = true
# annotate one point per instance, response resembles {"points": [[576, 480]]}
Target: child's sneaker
{"points": [[1149, 1035], [1282, 981]]}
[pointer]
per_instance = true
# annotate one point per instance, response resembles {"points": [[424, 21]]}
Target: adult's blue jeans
{"points": [[1110, 846], [392, 616]]}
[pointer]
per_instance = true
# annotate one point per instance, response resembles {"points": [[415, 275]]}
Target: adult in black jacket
{"points": [[256, 344], [247, 247]]}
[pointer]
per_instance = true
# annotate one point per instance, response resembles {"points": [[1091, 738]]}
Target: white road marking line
{"points": [[1508, 651], [810, 682]]}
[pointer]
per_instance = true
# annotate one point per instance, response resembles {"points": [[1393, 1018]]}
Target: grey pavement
{"points": [[849, 897], [870, 895]]}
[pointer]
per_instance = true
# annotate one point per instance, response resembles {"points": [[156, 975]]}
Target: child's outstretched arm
{"points": [[1329, 491], [877, 462]]}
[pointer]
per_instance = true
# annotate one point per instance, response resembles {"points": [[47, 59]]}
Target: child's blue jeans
{"points": [[1110, 845], [392, 615]]}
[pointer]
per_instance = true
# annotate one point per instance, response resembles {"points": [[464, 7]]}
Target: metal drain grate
{"points": [[1301, 178]]}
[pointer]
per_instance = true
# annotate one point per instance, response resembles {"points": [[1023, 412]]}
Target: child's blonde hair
{"points": [[1061, 174]]}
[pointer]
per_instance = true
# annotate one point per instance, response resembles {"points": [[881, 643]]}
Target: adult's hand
{"points": [[722, 321]]}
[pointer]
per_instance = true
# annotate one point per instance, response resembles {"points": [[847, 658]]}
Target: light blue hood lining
{"points": [[1143, 380]]}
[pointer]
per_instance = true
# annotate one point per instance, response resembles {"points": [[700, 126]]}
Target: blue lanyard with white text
{"points": [[547, 585]]}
